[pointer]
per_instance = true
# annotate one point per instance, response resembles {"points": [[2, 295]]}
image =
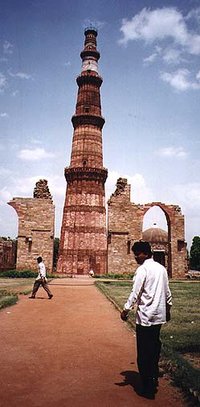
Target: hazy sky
{"points": [[150, 63]]}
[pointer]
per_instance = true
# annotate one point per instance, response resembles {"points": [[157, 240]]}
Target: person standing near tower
{"points": [[41, 279], [152, 295]]}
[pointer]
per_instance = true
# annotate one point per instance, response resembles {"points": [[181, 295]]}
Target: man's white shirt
{"points": [[150, 293], [41, 271]]}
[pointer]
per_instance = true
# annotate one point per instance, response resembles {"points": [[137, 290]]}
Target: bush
{"points": [[24, 274], [18, 274]]}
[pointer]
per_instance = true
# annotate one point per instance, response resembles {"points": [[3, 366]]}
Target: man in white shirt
{"points": [[41, 279], [152, 296]]}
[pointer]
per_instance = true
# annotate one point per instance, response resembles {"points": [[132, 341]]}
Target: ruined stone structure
{"points": [[83, 242], [35, 228], [7, 253], [125, 221]]}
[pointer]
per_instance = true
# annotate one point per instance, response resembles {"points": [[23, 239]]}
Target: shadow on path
{"points": [[131, 378]]}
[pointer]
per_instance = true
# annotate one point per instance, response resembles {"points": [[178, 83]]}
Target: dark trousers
{"points": [[148, 350], [37, 284]]}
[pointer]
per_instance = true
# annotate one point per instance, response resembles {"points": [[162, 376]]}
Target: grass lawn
{"points": [[10, 288], [180, 337], [17, 285]]}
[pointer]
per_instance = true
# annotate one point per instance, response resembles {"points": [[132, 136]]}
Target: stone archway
{"points": [[177, 254], [162, 252], [125, 220], [155, 231]]}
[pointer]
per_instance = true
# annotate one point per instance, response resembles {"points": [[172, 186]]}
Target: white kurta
{"points": [[151, 293], [41, 271]]}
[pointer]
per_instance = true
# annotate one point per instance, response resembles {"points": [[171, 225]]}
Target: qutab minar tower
{"points": [[83, 242]]}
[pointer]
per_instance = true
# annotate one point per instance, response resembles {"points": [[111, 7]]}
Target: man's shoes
{"points": [[31, 297], [50, 296], [148, 388]]}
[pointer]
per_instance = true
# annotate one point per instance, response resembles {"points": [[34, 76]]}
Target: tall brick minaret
{"points": [[83, 243]]}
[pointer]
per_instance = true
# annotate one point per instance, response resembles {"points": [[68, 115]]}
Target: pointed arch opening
{"points": [[156, 231]]}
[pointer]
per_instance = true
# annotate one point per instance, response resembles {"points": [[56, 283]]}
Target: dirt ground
{"points": [[71, 351]]}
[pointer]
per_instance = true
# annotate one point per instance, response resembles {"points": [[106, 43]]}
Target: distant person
{"points": [[41, 279], [91, 273], [153, 300]]}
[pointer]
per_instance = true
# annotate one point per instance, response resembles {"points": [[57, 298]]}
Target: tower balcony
{"points": [[86, 173], [90, 77], [86, 119]]}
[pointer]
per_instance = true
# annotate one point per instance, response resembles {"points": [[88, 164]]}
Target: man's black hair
{"points": [[39, 259], [142, 247]]}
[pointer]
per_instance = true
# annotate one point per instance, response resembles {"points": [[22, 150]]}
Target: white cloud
{"points": [[188, 197], [194, 15], [180, 80], [68, 63], [57, 186], [158, 25], [151, 58], [172, 152], [3, 82], [34, 154], [25, 186], [4, 172], [21, 75], [198, 76], [140, 193], [20, 187], [172, 56], [15, 93], [7, 47], [5, 196], [36, 141], [4, 115]]}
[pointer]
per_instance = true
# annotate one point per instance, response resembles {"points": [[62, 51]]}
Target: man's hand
{"points": [[168, 314], [124, 315]]}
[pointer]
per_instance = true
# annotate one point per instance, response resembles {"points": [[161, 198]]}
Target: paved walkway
{"points": [[71, 351]]}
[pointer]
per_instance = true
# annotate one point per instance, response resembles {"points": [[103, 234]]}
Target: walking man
{"points": [[41, 279], [152, 297]]}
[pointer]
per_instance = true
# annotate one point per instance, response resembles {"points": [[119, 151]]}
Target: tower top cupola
{"points": [[90, 55]]}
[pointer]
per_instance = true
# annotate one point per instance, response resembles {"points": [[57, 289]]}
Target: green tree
{"points": [[195, 254], [55, 251]]}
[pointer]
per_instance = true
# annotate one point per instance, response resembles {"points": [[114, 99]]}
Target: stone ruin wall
{"points": [[7, 254], [120, 219], [35, 228], [125, 221]]}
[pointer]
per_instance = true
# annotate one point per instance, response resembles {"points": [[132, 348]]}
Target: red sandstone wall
{"points": [[35, 232], [7, 254]]}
